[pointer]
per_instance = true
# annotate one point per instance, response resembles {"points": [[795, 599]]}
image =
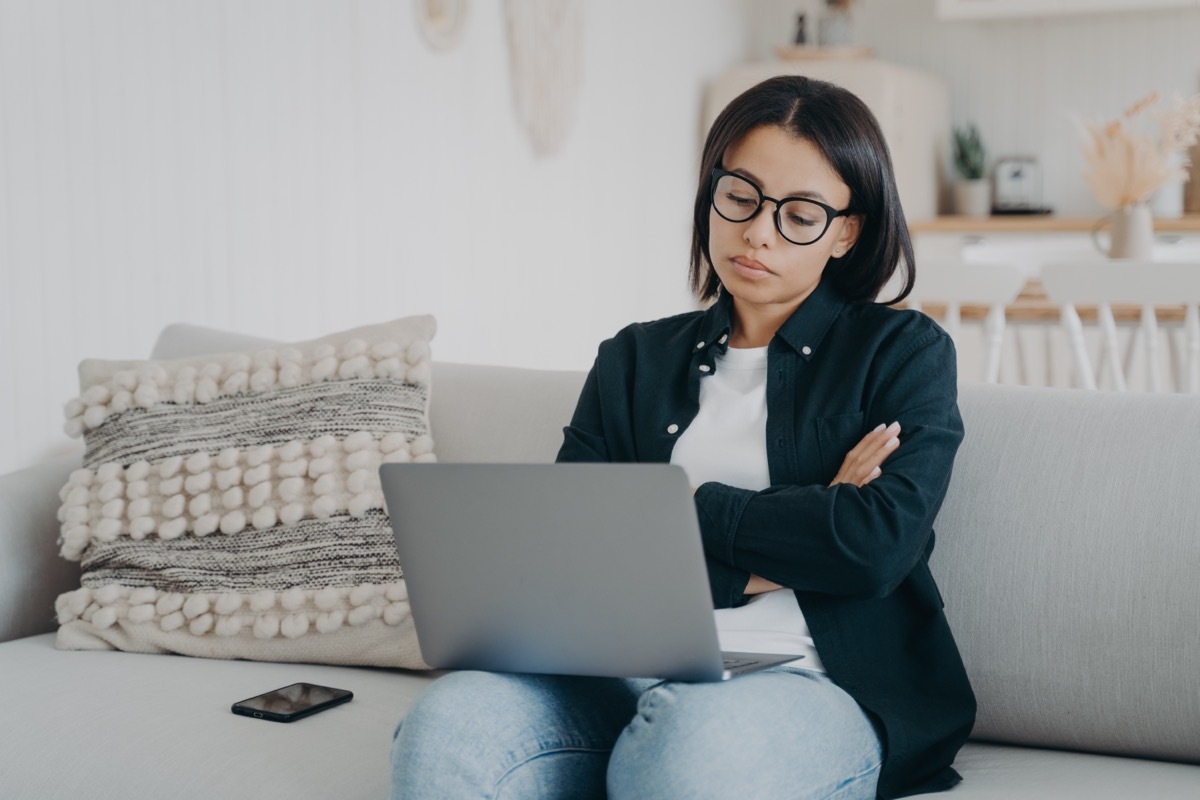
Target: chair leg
{"points": [[1050, 351], [1074, 329], [1132, 348], [1150, 326], [1112, 351], [953, 322], [994, 328], [1191, 324], [1022, 355]]}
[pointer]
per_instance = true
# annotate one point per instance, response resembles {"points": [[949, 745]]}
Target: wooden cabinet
{"points": [[999, 9]]}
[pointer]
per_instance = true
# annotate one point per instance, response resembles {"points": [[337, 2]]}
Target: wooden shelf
{"points": [[804, 52], [1188, 223]]}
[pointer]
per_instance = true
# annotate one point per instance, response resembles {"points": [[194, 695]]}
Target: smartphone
{"points": [[292, 702]]}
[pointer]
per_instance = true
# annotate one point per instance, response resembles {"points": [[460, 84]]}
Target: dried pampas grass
{"points": [[1125, 166]]}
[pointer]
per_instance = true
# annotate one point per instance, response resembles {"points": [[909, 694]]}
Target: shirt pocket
{"points": [[837, 436]]}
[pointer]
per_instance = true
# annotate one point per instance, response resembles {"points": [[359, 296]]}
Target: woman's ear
{"points": [[851, 228]]}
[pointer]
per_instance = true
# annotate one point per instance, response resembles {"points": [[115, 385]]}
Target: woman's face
{"points": [[764, 272]]}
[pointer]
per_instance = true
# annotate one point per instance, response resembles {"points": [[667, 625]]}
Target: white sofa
{"points": [[1068, 554]]}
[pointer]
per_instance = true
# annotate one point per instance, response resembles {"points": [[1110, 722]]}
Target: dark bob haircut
{"points": [[847, 134]]}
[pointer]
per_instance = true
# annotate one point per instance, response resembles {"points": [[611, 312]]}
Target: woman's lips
{"points": [[749, 268]]}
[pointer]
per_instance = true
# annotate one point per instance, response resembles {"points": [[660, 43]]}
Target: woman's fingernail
{"points": [[878, 428], [894, 427], [892, 442]]}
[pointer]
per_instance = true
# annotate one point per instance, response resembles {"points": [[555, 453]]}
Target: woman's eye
{"points": [[744, 202], [797, 219]]}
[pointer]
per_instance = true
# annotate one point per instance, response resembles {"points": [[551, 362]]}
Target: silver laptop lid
{"points": [[578, 569]]}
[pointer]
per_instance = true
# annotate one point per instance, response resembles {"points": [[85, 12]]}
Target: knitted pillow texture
{"points": [[229, 506]]}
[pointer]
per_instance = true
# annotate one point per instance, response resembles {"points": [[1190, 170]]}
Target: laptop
{"points": [[569, 569]]}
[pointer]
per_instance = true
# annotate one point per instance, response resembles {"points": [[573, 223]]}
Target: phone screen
{"points": [[292, 702]]}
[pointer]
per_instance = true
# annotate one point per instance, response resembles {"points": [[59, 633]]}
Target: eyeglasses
{"points": [[798, 219]]}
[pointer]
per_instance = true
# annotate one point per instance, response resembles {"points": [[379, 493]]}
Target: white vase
{"points": [[1132, 234], [973, 198], [1167, 202]]}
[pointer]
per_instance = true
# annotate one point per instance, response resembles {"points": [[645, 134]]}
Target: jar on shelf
{"points": [[836, 25]]}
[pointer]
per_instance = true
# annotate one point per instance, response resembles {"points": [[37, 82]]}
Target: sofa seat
{"points": [[117, 725], [107, 724]]}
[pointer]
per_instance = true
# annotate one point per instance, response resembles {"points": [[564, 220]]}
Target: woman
{"points": [[819, 429]]}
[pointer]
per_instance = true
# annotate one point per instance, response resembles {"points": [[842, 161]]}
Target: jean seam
{"points": [[542, 753], [846, 784]]}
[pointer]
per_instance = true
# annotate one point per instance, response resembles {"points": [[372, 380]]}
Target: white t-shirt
{"points": [[727, 443]]}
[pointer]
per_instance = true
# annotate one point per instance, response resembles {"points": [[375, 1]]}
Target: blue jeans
{"points": [[781, 733]]}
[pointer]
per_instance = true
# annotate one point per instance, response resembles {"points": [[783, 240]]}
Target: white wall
{"points": [[288, 168], [291, 167], [1018, 79]]}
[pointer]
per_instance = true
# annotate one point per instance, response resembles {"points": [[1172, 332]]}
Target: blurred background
{"points": [[289, 168]]}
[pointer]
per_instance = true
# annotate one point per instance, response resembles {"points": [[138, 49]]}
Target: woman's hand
{"points": [[863, 464]]}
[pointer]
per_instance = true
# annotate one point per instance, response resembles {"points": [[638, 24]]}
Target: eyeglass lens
{"points": [[799, 221]]}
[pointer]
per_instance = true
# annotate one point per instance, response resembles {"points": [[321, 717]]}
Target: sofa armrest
{"points": [[32, 574]]}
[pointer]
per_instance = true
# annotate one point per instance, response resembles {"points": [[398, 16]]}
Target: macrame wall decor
{"points": [[545, 56], [441, 22]]}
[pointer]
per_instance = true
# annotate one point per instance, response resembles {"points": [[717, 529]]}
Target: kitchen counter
{"points": [[1041, 352], [1028, 241], [1019, 223]]}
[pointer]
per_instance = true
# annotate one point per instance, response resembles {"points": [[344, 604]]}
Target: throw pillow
{"points": [[229, 506]]}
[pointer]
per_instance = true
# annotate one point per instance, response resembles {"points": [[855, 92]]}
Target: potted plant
{"points": [[972, 190]]}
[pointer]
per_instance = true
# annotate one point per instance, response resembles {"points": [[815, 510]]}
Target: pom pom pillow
{"points": [[229, 506]]}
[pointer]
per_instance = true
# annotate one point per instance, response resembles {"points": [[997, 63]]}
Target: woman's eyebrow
{"points": [[805, 193]]}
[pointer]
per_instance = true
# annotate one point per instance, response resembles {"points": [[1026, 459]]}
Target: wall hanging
{"points": [[545, 56], [441, 21]]}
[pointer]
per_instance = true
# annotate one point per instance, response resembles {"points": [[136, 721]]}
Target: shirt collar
{"points": [[803, 331], [716, 325]]}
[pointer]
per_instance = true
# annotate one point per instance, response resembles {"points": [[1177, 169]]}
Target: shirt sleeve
{"points": [[847, 540], [583, 439]]}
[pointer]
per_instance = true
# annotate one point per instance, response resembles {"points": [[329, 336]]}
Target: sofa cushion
{"points": [[1068, 550], [86, 718], [229, 505]]}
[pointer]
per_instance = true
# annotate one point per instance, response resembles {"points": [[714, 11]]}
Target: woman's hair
{"points": [[847, 134]]}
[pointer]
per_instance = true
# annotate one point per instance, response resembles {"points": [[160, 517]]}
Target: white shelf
{"points": [[1000, 9]]}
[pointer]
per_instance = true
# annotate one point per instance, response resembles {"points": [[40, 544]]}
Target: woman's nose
{"points": [[760, 230]]}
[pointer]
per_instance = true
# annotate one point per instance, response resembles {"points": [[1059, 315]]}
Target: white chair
{"points": [[957, 284], [1146, 284]]}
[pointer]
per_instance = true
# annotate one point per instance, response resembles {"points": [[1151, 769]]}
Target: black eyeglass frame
{"points": [[831, 213]]}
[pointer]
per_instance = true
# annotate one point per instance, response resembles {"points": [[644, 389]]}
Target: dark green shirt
{"points": [[857, 558]]}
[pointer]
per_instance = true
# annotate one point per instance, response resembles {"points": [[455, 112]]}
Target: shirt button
{"points": [[705, 368], [722, 339], [699, 345], [672, 428], [806, 350]]}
